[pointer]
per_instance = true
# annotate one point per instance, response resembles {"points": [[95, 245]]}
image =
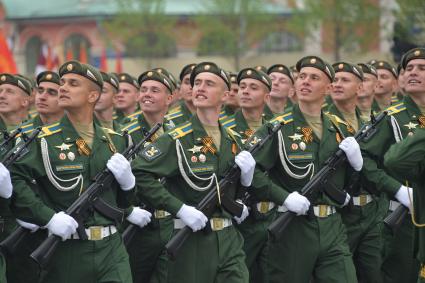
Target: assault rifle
{"points": [[209, 203], [320, 180], [90, 199]]}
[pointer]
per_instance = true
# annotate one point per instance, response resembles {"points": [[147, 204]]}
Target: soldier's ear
{"points": [[94, 96], [360, 87]]}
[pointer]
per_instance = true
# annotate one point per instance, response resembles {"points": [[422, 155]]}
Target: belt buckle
{"points": [[323, 210], [264, 206], [95, 233], [422, 272], [363, 200], [159, 214], [217, 224]]}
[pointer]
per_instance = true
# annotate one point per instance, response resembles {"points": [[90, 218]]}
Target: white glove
{"points": [[192, 217], [62, 225], [244, 215], [121, 168], [246, 163], [27, 225], [402, 196], [139, 217], [352, 150], [5, 182], [297, 203], [347, 199]]}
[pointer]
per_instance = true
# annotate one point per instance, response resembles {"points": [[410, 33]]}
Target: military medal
{"points": [[202, 158], [64, 146], [294, 146], [208, 145], [234, 148], [62, 156], [71, 156], [195, 149], [302, 146], [338, 137], [421, 121], [83, 147], [411, 125], [194, 159], [307, 134], [410, 134], [248, 133], [296, 137], [350, 129]]}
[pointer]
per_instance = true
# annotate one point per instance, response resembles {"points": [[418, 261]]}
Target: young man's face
{"points": [[312, 85], [186, 89], [106, 99], [126, 97], [281, 85], [46, 98], [252, 94], [209, 91], [345, 86], [369, 84], [154, 97], [387, 83], [232, 98], [415, 77], [76, 92], [12, 99]]}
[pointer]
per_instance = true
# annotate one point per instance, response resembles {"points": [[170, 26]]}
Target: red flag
{"points": [[118, 62], [83, 53], [69, 54], [103, 61], [7, 63]]}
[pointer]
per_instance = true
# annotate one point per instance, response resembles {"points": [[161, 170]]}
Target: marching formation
{"points": [[305, 173]]}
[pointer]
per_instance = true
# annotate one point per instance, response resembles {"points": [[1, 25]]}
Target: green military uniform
{"points": [[407, 159], [399, 264], [361, 217], [314, 245], [61, 170], [148, 243], [189, 180], [205, 257], [179, 114], [59, 165]]}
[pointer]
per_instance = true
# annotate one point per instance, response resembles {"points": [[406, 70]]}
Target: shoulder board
{"points": [[50, 130], [285, 118], [171, 116], [26, 128], [181, 131], [177, 108], [130, 128], [336, 119], [229, 123], [393, 109], [110, 131], [134, 115], [222, 116]]}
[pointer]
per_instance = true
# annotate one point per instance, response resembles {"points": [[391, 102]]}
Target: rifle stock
{"points": [[396, 217]]}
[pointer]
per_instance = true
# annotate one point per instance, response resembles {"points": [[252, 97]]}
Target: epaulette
{"points": [[173, 115], [393, 109], [181, 131], [336, 119], [285, 118], [132, 127], [229, 123], [27, 128], [50, 130], [222, 116], [110, 131], [135, 115], [177, 108]]}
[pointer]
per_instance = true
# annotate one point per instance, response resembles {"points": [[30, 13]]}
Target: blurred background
{"points": [[134, 35]]}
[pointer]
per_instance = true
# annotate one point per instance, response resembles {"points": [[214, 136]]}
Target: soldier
{"points": [[186, 108], [314, 246], [5, 193], [126, 99], [365, 97], [193, 158], [104, 108], [283, 85], [387, 84], [404, 118], [231, 105], [59, 166], [362, 217], [254, 86], [155, 96], [407, 159]]}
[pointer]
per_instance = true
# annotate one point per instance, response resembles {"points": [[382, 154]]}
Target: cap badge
{"points": [[69, 67]]}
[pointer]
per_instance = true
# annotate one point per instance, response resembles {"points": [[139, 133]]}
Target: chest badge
{"points": [[208, 145], [307, 134], [195, 149], [296, 137], [71, 156], [411, 125], [64, 146]]}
